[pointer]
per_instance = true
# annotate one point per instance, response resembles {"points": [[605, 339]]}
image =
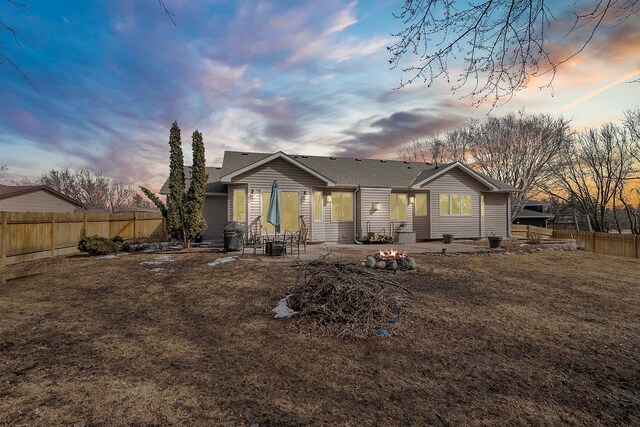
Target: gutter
{"points": [[355, 217]]}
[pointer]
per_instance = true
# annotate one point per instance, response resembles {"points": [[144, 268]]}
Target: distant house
{"points": [[534, 213], [35, 198], [343, 199]]}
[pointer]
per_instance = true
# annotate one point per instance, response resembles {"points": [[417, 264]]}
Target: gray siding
{"points": [[37, 201], [215, 214], [421, 223], [496, 217], [340, 231], [290, 178], [378, 220], [455, 181]]}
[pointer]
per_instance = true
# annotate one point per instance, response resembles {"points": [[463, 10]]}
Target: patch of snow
{"points": [[154, 270], [222, 260], [158, 260], [106, 256], [282, 309]]}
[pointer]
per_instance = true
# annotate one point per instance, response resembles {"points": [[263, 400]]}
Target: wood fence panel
{"points": [[625, 245], [26, 236], [520, 230]]}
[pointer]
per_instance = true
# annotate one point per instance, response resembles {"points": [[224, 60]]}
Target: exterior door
{"points": [[290, 211]]}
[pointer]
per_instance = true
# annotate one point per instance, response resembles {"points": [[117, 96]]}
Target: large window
{"points": [[289, 209], [341, 206], [421, 204], [239, 204], [398, 207], [317, 206], [455, 204], [482, 204]]}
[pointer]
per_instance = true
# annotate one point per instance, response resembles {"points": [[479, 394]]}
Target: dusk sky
{"points": [[299, 77]]}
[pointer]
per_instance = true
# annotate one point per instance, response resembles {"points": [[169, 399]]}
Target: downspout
{"points": [[355, 217]]}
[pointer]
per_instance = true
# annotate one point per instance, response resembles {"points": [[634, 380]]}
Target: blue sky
{"points": [[302, 77]]}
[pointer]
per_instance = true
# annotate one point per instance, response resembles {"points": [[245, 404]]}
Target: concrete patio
{"points": [[360, 251]]}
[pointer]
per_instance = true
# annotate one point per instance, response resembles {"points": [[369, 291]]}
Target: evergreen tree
{"points": [[184, 211], [175, 202], [194, 202]]}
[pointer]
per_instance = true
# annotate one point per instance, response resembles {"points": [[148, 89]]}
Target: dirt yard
{"points": [[540, 339]]}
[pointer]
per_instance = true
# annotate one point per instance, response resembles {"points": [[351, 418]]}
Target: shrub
{"points": [[96, 245]]}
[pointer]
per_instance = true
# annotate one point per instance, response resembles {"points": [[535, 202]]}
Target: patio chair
{"points": [[299, 238], [253, 240]]}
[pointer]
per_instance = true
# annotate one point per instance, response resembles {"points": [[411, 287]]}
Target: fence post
{"points": [[52, 235], [3, 239], [135, 225]]}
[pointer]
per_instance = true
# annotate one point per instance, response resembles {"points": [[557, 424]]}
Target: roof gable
{"points": [[7, 191], [279, 155]]}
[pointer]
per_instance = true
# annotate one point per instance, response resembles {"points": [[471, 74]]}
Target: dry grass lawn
{"points": [[541, 339]]}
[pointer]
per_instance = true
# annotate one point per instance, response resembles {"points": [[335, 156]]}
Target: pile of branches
{"points": [[346, 296]]}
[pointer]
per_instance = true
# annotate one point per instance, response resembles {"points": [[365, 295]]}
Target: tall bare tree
{"points": [[594, 173], [632, 123], [501, 42], [519, 149], [92, 188]]}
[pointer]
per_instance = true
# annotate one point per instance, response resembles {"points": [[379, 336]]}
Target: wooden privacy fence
{"points": [[26, 236], [627, 245], [524, 231]]}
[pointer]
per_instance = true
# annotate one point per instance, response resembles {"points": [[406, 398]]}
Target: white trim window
{"points": [[398, 209], [240, 204], [318, 206], [421, 204], [341, 206], [455, 204]]}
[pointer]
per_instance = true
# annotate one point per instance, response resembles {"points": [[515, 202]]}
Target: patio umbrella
{"points": [[274, 215]]}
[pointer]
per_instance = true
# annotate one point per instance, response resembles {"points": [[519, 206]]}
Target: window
{"points": [[445, 208], [239, 204], [289, 209], [317, 206], [341, 206], [482, 204], [398, 207], [421, 204], [455, 204], [466, 204], [266, 226]]}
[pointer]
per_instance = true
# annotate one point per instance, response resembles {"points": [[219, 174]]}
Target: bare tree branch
{"points": [[502, 43]]}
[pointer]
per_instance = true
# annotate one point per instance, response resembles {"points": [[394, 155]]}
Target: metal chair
{"points": [[299, 238]]}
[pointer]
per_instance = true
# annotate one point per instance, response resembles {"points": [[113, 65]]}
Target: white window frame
{"points": [[391, 217], [353, 214], [233, 206], [426, 204], [450, 205], [321, 206]]}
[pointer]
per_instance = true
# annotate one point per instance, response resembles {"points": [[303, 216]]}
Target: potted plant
{"points": [[495, 241], [447, 238]]}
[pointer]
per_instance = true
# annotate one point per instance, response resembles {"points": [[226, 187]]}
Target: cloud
{"points": [[377, 137], [343, 19]]}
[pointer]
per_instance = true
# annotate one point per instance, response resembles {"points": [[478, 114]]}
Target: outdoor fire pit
{"points": [[390, 260]]}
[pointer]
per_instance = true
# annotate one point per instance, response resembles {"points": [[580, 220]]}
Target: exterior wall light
{"points": [[305, 196], [328, 199], [412, 200], [375, 206]]}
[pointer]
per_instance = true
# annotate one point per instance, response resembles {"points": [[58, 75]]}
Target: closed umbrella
{"points": [[274, 215]]}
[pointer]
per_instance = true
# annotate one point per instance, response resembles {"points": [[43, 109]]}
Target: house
{"points": [[35, 198], [342, 199], [534, 213]]}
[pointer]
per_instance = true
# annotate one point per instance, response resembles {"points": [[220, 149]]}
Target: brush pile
{"points": [[346, 296]]}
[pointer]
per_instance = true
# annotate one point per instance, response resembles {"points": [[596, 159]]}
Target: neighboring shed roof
{"points": [[528, 213], [213, 183], [7, 191]]}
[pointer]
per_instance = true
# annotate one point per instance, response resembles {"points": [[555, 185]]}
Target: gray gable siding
{"points": [[496, 214], [289, 176], [37, 201], [378, 220], [455, 181]]}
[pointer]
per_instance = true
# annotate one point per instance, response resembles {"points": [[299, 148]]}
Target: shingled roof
{"points": [[343, 171], [213, 183], [7, 191]]}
